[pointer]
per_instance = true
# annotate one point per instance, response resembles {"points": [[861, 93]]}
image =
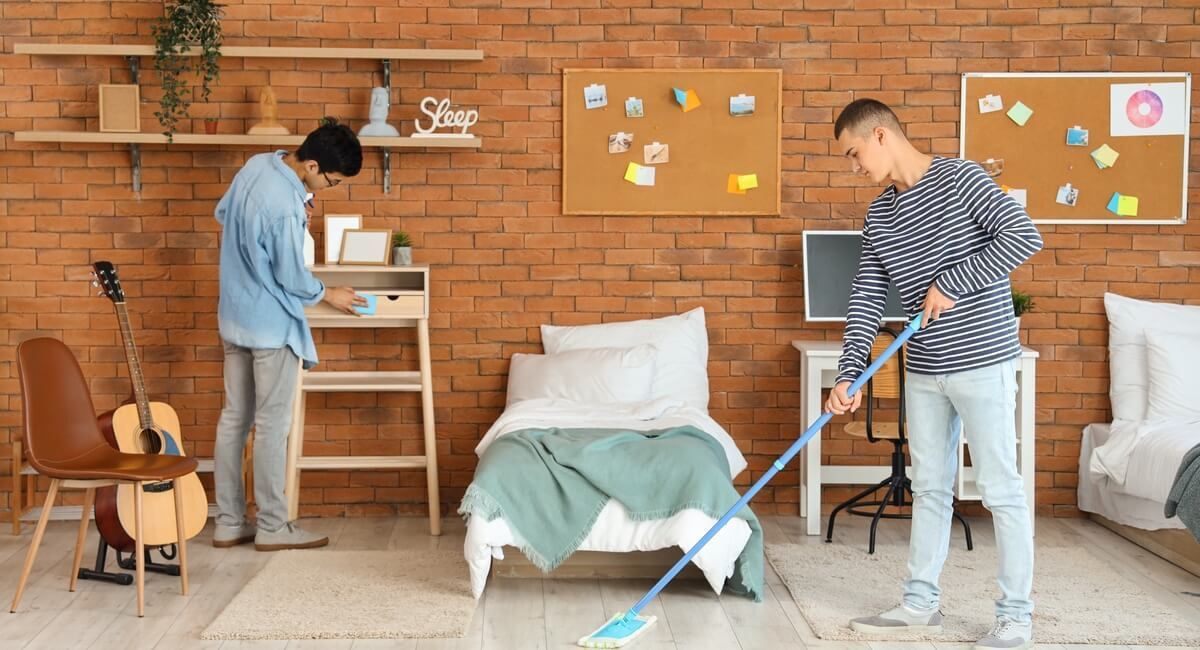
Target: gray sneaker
{"points": [[286, 538], [900, 619], [226, 536], [1008, 634]]}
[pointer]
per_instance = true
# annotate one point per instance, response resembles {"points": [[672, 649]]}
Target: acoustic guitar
{"points": [[146, 427]]}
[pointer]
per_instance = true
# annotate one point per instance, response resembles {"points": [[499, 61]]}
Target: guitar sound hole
{"points": [[150, 442]]}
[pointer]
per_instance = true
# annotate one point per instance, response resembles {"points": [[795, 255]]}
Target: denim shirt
{"points": [[264, 283]]}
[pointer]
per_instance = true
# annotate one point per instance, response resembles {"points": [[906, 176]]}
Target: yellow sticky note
{"points": [[747, 181], [1105, 156], [733, 185], [1127, 206], [692, 101], [631, 172], [1020, 113]]}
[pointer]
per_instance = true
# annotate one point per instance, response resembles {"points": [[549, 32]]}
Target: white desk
{"points": [[818, 370]]}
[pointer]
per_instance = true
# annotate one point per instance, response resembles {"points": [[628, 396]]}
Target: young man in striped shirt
{"points": [[947, 236]]}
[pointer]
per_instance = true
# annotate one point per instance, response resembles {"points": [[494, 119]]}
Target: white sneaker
{"points": [[226, 536], [288, 537], [900, 619], [1007, 634]]}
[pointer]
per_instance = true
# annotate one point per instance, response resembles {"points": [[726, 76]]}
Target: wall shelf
{"points": [[239, 51], [401, 142]]}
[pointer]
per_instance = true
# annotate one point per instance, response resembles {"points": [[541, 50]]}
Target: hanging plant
{"points": [[185, 24]]}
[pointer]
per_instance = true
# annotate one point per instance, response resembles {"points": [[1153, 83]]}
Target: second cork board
{"points": [[722, 156]]}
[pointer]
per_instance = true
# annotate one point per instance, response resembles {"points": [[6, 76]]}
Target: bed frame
{"points": [[1175, 545], [598, 564]]}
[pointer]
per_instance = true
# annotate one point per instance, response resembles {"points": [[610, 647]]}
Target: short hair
{"points": [[867, 114], [334, 147]]}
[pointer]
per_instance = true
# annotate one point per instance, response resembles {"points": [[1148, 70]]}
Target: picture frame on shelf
{"points": [[120, 110], [366, 247], [335, 226]]}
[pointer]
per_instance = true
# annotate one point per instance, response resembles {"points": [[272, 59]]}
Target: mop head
{"points": [[620, 630]]}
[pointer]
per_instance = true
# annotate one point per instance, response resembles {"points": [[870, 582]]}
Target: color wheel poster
{"points": [[1148, 109]]}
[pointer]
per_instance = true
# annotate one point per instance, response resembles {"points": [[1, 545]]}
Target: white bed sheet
{"points": [[1141, 458], [614, 531], [1098, 492]]}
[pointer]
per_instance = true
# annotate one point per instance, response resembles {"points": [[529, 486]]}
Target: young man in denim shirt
{"points": [[264, 289]]}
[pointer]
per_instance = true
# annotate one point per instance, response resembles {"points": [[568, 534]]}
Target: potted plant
{"points": [[210, 125], [185, 24], [1022, 303], [401, 249]]}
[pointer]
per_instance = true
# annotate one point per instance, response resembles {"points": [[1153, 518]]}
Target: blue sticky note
{"points": [[369, 310], [680, 96], [1114, 202]]}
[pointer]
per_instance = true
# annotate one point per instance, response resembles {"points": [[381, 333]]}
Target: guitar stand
{"points": [[129, 564]]}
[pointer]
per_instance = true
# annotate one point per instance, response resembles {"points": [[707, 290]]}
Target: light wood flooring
{"points": [[514, 614]]}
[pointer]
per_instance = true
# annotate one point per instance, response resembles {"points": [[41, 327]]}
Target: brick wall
{"points": [[505, 259]]}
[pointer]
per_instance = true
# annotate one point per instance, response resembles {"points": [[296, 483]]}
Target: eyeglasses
{"points": [[331, 182]]}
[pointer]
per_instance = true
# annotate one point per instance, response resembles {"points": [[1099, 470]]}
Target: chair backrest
{"points": [[60, 419], [887, 383]]}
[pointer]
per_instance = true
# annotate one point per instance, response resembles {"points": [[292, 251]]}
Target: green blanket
{"points": [[551, 484]]}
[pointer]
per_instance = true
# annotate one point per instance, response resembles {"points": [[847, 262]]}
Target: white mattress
{"points": [[1101, 494], [614, 531]]}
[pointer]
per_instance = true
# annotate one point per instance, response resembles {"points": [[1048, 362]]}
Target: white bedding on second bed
{"points": [[614, 530], [1145, 474]]}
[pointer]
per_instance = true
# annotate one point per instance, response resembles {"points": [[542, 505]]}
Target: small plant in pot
{"points": [[186, 24], [1022, 303], [401, 249], [210, 125]]}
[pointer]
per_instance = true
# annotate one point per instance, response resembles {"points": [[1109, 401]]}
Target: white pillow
{"points": [[1127, 323], [1173, 361], [595, 376], [681, 368]]}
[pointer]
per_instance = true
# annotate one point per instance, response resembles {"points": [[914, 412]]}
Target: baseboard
{"points": [[1175, 545], [598, 564]]}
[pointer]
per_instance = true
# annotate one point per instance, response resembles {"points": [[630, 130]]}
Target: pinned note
{"points": [[595, 96], [1067, 195], [991, 104], [1127, 206], [1077, 136], [747, 181], [631, 172], [688, 99], [1020, 196], [1020, 113], [639, 175], [656, 153], [1114, 202], [741, 105], [1105, 157], [732, 187]]}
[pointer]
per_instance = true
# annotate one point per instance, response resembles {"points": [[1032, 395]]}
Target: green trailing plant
{"points": [[401, 240], [185, 24], [1022, 303]]}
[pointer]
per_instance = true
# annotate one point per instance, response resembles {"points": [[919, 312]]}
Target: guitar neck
{"points": [[135, 366]]}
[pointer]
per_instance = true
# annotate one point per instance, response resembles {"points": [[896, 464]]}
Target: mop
{"points": [[622, 629]]}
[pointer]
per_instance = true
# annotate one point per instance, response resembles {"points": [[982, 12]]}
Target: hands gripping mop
{"points": [[623, 628]]}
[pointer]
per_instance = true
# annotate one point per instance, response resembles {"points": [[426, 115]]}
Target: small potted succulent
{"points": [[401, 249], [1022, 303], [210, 125]]}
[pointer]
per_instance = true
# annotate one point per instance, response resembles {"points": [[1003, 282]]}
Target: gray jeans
{"points": [[260, 388]]}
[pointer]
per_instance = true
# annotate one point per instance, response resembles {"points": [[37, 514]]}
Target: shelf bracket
{"points": [[135, 150]]}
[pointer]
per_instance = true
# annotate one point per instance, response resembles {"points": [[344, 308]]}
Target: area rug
{"points": [[323, 594], [1077, 597]]}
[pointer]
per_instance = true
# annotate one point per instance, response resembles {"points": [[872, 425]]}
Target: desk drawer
{"points": [[398, 304]]}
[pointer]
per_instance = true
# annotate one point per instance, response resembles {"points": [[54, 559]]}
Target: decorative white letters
{"points": [[441, 116]]}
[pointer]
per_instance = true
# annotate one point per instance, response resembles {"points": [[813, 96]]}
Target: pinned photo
{"points": [[741, 105], [656, 153], [620, 142], [1077, 137], [991, 104], [993, 167], [1067, 195], [595, 96], [634, 108]]}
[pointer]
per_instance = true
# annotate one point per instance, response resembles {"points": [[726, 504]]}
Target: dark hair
{"points": [[335, 148], [863, 114]]}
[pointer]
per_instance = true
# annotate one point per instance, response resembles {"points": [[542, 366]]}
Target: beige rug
{"points": [[324, 594], [1077, 597]]}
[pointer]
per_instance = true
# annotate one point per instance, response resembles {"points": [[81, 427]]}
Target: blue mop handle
{"points": [[779, 464]]}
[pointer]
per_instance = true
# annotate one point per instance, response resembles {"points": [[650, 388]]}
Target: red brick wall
{"points": [[505, 259]]}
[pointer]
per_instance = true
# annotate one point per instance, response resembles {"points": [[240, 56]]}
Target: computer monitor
{"points": [[830, 263]]}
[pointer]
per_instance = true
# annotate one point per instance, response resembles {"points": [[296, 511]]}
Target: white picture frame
{"points": [[335, 226], [371, 247]]}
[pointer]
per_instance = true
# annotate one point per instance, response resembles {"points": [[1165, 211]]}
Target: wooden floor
{"points": [[514, 614]]}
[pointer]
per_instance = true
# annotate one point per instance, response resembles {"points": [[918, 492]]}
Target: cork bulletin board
{"points": [[705, 145], [1144, 118]]}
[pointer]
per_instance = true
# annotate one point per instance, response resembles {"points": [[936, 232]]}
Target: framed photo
{"points": [[366, 247], [335, 226], [120, 108]]}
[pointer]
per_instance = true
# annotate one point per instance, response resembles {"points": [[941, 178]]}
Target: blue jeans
{"points": [[938, 408]]}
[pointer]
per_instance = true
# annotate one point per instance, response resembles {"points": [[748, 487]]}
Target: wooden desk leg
{"points": [[431, 464], [291, 486], [17, 500]]}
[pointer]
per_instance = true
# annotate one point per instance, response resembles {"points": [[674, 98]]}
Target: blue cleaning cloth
{"points": [[369, 310]]}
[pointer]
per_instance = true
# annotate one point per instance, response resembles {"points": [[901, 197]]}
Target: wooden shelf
{"points": [[133, 49], [362, 462], [361, 381], [403, 142]]}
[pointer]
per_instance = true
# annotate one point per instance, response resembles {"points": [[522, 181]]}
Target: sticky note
{"points": [[1127, 206], [369, 310], [631, 172], [645, 176], [1020, 196], [747, 181], [688, 99], [680, 96], [1114, 202], [1020, 113], [1105, 156], [733, 185]]}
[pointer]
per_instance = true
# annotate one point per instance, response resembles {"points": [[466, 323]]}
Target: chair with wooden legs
{"points": [[64, 443]]}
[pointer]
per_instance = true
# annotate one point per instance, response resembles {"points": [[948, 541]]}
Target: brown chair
{"points": [[886, 384], [64, 443]]}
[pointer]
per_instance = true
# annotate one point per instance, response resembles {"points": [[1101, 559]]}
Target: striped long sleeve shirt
{"points": [[955, 227]]}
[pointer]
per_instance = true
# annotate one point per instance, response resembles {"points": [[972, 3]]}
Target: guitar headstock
{"points": [[107, 280]]}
